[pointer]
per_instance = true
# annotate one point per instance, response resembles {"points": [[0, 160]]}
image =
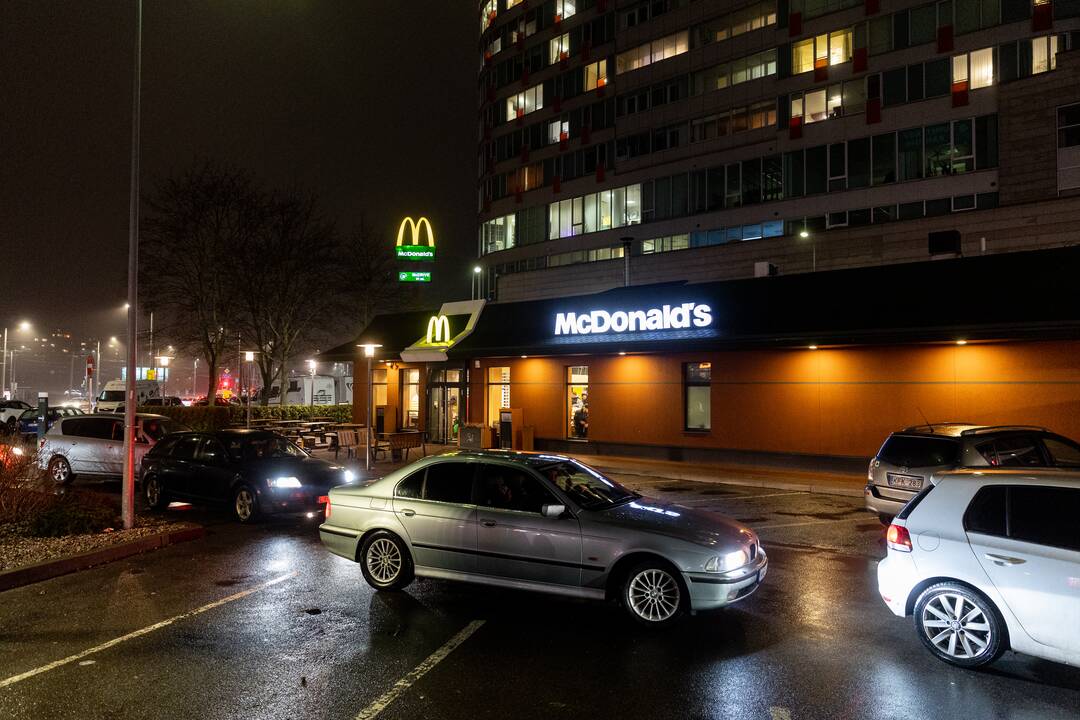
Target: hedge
{"points": [[207, 417]]}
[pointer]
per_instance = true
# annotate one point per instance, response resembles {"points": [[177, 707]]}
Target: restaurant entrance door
{"points": [[446, 404]]}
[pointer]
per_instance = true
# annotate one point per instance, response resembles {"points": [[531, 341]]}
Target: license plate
{"points": [[907, 482]]}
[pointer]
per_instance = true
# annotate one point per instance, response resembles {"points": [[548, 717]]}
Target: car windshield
{"points": [[268, 446], [586, 486], [916, 452], [111, 395]]}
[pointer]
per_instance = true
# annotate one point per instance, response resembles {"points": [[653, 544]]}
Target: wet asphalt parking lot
{"points": [[261, 622]]}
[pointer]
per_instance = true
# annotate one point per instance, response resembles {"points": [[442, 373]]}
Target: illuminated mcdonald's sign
{"points": [[438, 330], [410, 248]]}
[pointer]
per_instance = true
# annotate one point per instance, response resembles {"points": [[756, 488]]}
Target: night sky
{"points": [[370, 103]]}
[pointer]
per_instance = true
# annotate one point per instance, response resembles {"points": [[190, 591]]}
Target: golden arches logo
{"points": [[415, 232], [438, 330]]}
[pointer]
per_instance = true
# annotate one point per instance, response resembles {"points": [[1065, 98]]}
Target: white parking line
{"points": [[139, 633], [722, 499], [419, 671], [811, 522]]}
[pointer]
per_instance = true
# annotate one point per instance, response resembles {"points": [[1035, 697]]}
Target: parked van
{"points": [[113, 394]]}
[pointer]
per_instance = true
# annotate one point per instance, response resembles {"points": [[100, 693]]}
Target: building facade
{"points": [[700, 140]]}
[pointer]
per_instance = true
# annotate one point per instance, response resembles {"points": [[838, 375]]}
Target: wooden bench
{"points": [[396, 442]]}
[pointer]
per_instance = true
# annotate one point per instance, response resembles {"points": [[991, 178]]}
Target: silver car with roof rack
{"points": [[546, 523], [910, 458]]}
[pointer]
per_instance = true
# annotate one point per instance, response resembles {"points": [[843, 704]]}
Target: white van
{"points": [[113, 394]]}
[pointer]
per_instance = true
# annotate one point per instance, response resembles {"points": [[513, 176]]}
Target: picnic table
{"points": [[402, 440]]}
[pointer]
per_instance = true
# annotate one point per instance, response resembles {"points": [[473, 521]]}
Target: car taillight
{"points": [[898, 538], [326, 499]]}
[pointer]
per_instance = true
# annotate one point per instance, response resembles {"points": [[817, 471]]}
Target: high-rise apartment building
{"points": [[718, 139]]}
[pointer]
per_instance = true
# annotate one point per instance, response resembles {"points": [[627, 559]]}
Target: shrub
{"points": [[208, 418], [24, 490], [69, 515]]}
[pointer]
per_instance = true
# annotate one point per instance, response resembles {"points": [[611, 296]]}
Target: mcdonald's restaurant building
{"points": [[824, 363]]}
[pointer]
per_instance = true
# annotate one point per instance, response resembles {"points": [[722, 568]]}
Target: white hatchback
{"points": [[987, 561]]}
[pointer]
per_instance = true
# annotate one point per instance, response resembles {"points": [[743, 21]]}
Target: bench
{"points": [[396, 442]]}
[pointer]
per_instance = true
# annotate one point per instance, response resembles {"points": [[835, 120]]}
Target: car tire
{"points": [[60, 471], [246, 505], [154, 493], [9, 426], [385, 561], [653, 594], [959, 625]]}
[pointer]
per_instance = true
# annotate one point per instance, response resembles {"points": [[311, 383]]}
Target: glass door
{"points": [[445, 405], [577, 402]]}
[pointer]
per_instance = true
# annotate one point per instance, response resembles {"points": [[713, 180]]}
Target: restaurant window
{"points": [[698, 386], [410, 398], [498, 391], [378, 386], [577, 401]]}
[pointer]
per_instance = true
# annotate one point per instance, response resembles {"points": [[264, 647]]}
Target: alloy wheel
{"points": [[60, 471], [956, 626], [245, 504], [653, 595], [153, 492], [384, 560]]}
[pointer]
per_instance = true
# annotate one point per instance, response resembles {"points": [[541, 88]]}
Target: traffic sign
{"points": [[89, 366], [414, 276]]}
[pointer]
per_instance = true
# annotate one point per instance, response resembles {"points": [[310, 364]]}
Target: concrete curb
{"points": [[722, 477], [48, 569]]}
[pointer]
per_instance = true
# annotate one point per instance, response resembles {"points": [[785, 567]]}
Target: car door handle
{"points": [[408, 513], [1004, 560], [489, 523]]}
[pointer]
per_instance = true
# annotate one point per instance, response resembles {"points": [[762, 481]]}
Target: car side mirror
{"points": [[552, 511]]}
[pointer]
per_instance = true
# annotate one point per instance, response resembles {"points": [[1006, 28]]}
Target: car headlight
{"points": [[350, 476], [16, 451], [283, 482], [730, 561]]}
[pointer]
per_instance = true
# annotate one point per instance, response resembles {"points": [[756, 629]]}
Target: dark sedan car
{"points": [[257, 472]]}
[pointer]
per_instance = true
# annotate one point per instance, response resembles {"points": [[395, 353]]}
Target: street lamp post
{"points": [[312, 365], [476, 281], [369, 353], [23, 327], [249, 358], [813, 249], [127, 503]]}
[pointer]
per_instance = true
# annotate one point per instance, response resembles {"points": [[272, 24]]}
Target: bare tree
{"points": [[189, 237]]}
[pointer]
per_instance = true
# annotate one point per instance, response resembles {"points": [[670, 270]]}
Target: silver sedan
{"points": [[542, 522]]}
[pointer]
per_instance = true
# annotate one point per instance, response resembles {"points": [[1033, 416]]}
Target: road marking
{"points": [[779, 713], [721, 499], [144, 631], [419, 671], [811, 522]]}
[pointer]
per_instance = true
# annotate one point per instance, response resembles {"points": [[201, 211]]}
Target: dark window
{"points": [[914, 82], [412, 486], [923, 28], [817, 170], [751, 181], [916, 452], [508, 488], [1045, 515], [1069, 126], [986, 142], [162, 448], [885, 159], [910, 166], [1013, 451], [859, 163], [895, 87], [937, 78], [793, 174], [910, 211], [185, 447], [1063, 453], [1013, 10], [986, 513], [450, 482]]}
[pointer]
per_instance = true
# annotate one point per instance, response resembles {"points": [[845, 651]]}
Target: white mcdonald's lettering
{"points": [[438, 330], [415, 229], [667, 317]]}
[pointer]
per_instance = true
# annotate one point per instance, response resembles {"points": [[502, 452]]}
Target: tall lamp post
{"points": [[249, 358], [127, 503], [369, 353], [813, 249], [476, 281], [22, 327]]}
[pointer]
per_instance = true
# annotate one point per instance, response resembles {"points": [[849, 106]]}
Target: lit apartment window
{"points": [[597, 211], [975, 68], [559, 48], [728, 26], [558, 130], [759, 65], [668, 243], [1043, 54], [526, 178], [512, 3], [817, 105], [821, 51], [498, 234], [595, 75], [487, 15], [565, 9], [525, 102], [651, 52]]}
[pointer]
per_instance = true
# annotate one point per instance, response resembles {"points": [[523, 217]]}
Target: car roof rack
{"points": [[998, 428]]}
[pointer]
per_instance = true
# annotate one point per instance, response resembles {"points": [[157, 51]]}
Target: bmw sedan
{"points": [[256, 472], [546, 523]]}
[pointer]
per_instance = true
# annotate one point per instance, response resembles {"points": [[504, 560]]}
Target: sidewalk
{"points": [[804, 474]]}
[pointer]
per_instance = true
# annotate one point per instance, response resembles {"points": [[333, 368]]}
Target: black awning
{"points": [[1015, 295], [394, 332]]}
